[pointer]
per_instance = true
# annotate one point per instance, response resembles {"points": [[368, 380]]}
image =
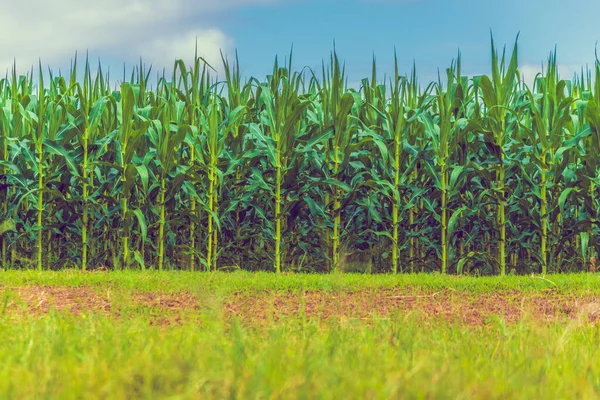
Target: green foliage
{"points": [[296, 172]]}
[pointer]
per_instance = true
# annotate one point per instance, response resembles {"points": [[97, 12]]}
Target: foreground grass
{"points": [[62, 356], [205, 355]]}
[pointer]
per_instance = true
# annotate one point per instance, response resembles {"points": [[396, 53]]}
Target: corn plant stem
{"points": [[209, 246], [558, 229], [336, 220], [395, 238], [420, 248], [413, 246], [395, 210], [92, 244], [84, 219], [238, 232], [5, 206], [444, 218], [4, 238], [591, 252], [215, 234], [107, 240], [49, 258], [327, 240], [193, 213], [40, 206], [543, 211], [277, 215], [161, 226], [336, 233], [125, 239], [502, 221]]}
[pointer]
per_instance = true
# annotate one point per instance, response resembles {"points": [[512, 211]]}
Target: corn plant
{"points": [[498, 94], [551, 121], [131, 133], [281, 112], [443, 131]]}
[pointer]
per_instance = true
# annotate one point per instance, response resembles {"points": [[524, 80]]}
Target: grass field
{"points": [[240, 335]]}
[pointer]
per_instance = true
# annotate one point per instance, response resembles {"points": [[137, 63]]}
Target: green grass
{"points": [[94, 357], [128, 355], [223, 283]]}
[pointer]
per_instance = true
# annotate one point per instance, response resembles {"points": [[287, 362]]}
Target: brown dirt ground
{"points": [[265, 307]]}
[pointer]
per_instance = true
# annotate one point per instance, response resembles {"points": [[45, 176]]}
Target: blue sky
{"points": [[427, 31]]}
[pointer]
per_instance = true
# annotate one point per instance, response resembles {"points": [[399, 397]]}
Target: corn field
{"points": [[299, 172]]}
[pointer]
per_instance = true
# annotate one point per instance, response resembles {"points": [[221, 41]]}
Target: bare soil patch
{"points": [[267, 307], [41, 299], [466, 308]]}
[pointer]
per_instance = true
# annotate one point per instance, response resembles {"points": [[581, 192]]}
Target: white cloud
{"points": [[529, 71], [165, 49], [122, 30]]}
